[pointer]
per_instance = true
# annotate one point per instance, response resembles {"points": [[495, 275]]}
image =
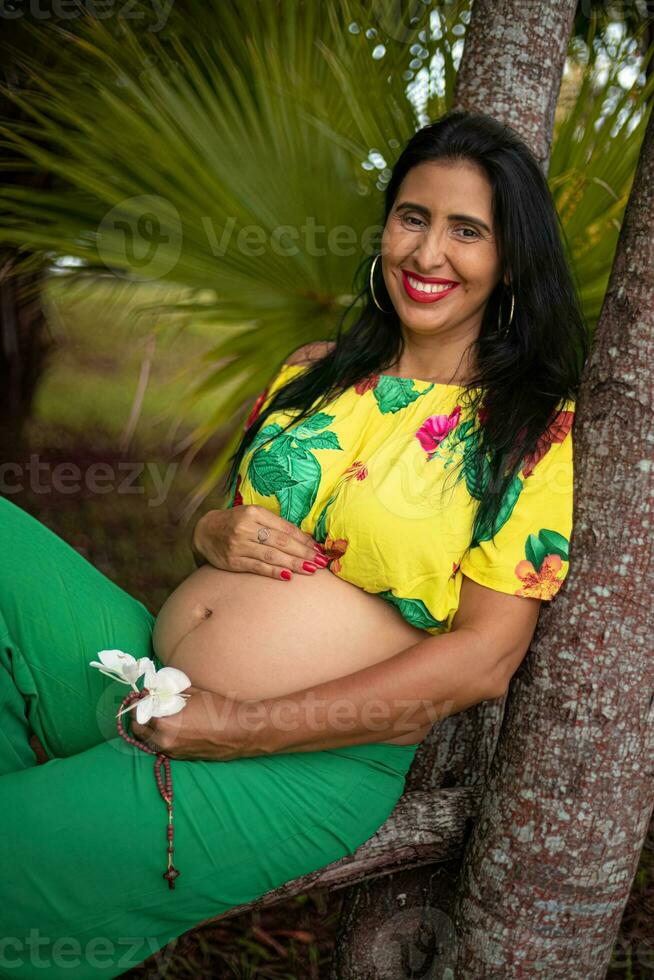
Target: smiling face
{"points": [[441, 228]]}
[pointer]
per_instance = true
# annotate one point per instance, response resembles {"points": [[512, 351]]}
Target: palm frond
{"points": [[226, 154]]}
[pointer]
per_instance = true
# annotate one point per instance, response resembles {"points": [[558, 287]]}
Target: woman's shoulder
{"points": [[298, 360], [309, 353]]}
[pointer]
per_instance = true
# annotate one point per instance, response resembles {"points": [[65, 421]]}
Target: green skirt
{"points": [[83, 836]]}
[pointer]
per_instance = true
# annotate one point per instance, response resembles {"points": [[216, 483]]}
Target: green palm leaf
{"points": [[180, 157]]}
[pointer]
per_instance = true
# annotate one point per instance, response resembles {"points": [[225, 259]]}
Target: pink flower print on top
{"points": [[358, 470], [434, 429]]}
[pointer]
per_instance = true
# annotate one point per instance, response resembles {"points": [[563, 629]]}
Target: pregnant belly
{"points": [[247, 636]]}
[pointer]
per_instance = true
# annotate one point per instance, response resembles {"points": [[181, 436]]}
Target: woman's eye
{"points": [[409, 217], [476, 235]]}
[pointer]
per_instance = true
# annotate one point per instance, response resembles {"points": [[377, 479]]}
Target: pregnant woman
{"points": [[426, 453]]}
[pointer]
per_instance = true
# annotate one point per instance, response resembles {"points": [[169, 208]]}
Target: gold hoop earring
{"points": [[503, 331], [372, 288]]}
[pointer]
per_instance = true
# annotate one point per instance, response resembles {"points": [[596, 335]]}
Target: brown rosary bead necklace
{"points": [[165, 791]]}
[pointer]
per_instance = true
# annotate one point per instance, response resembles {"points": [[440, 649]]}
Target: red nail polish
{"points": [[309, 566], [285, 574], [321, 560]]}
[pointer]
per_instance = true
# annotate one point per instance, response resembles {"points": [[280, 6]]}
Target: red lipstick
{"points": [[421, 297]]}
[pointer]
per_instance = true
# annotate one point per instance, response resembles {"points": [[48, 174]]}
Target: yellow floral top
{"points": [[369, 477]]}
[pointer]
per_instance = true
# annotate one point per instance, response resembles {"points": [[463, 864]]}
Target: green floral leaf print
{"points": [[311, 424], [535, 551], [456, 447], [462, 441], [296, 501], [320, 530], [555, 543], [508, 503], [323, 440], [267, 432], [414, 611], [464, 432], [297, 445], [268, 474], [449, 444], [394, 394], [282, 446], [548, 542], [307, 436], [477, 472], [288, 470]]}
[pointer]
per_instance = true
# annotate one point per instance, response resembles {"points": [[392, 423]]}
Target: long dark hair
{"points": [[522, 380]]}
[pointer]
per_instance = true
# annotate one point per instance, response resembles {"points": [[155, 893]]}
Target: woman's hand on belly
{"points": [[228, 540], [209, 727]]}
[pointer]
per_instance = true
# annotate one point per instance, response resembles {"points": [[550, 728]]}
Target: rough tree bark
{"points": [[570, 794], [512, 64]]}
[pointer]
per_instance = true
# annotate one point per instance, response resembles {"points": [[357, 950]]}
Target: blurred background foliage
{"points": [[239, 153], [185, 196]]}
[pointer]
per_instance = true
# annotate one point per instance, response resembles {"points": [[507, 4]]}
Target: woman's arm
{"points": [[438, 676]]}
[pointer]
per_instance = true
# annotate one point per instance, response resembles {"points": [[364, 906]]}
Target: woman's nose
{"points": [[431, 253]]}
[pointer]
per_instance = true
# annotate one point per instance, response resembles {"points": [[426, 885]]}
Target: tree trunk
{"points": [[24, 349], [512, 64], [391, 925], [25, 341], [411, 927], [570, 794]]}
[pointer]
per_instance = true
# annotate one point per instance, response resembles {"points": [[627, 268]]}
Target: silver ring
{"points": [[263, 534]]}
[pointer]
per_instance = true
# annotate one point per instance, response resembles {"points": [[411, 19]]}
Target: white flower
{"points": [[163, 696], [121, 666], [163, 685]]}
